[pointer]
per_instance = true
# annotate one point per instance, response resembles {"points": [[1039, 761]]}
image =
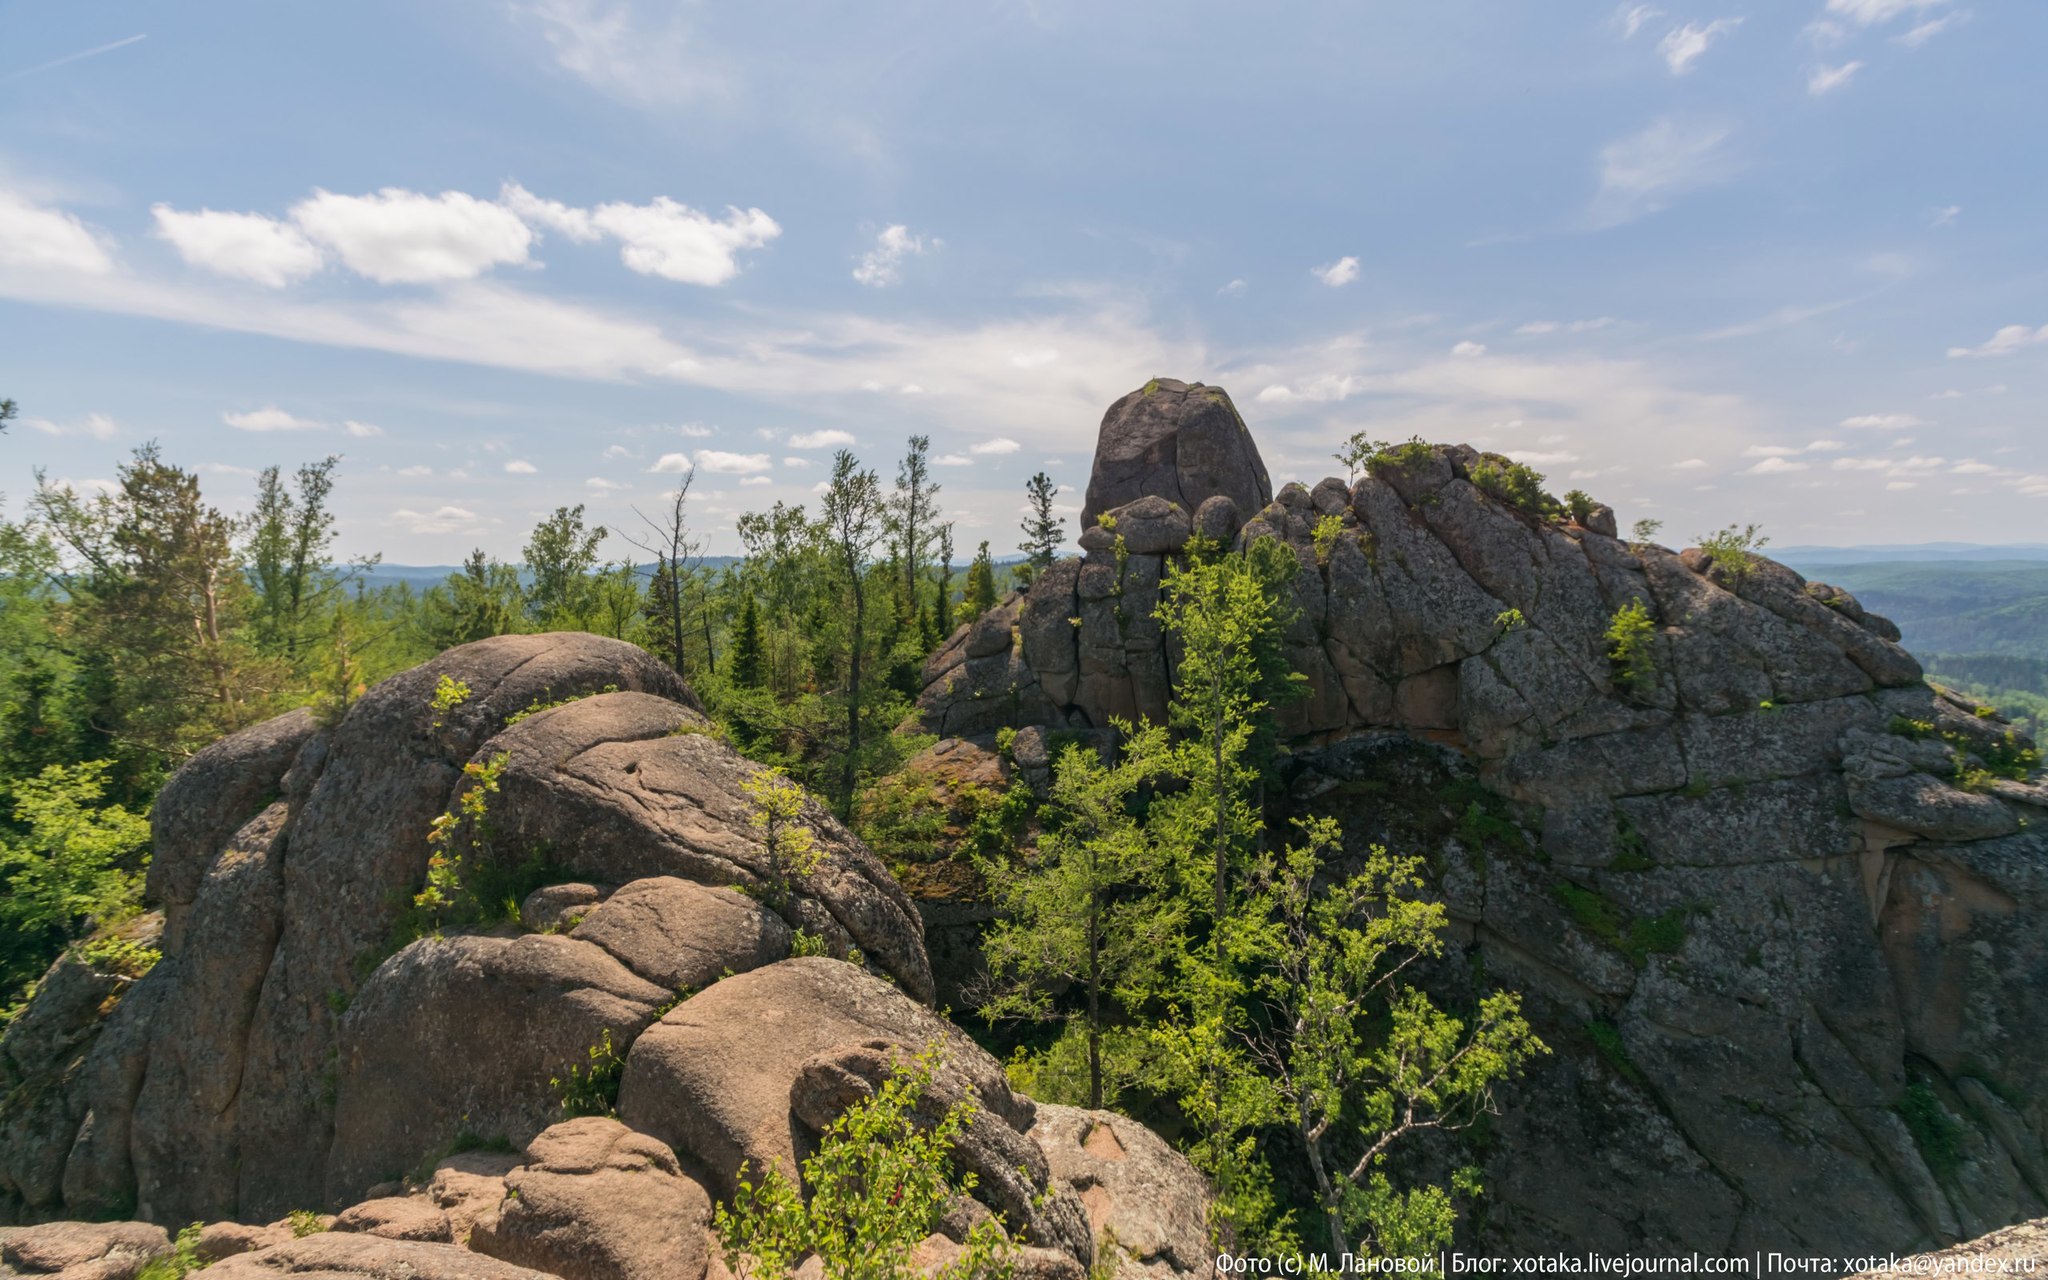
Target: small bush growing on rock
{"points": [[879, 1184], [1508, 620], [1630, 646], [113, 953], [1938, 1134], [305, 1223], [181, 1261], [592, 1088], [449, 693], [1328, 529], [1642, 531], [1580, 505], [1358, 451], [1731, 550], [1517, 485], [776, 807], [471, 813], [1412, 452]]}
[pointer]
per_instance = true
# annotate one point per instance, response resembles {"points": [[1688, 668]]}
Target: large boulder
{"points": [[335, 1255], [1180, 442], [100, 1250], [683, 936], [1146, 1204], [597, 1201]]}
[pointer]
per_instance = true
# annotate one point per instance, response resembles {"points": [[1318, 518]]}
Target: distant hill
{"points": [[1902, 553]]}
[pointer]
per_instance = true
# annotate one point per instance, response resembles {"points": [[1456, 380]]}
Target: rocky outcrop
{"points": [[1771, 907], [288, 1053], [1146, 1204]]}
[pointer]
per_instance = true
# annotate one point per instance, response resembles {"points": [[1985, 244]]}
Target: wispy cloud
{"points": [[1631, 18], [1337, 274], [2011, 338], [1642, 173], [882, 265], [1825, 80], [620, 51], [269, 418], [70, 58], [1683, 46]]}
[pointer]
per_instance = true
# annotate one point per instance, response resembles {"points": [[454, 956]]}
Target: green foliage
{"points": [[1642, 531], [1579, 505], [805, 943], [981, 584], [749, 661], [183, 1259], [1606, 1038], [305, 1223], [537, 706], [560, 557], [1517, 485], [1636, 938], [1411, 453], [1939, 1135], [75, 863], [1044, 532], [461, 829], [1508, 620], [591, 1088], [1358, 450], [449, 693], [877, 1186], [1328, 529], [1631, 647], [113, 953], [1732, 550], [1979, 764], [775, 812]]}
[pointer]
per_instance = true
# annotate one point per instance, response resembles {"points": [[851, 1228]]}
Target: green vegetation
{"points": [[1938, 1134], [181, 1261], [1517, 485], [1636, 938], [1508, 620], [1631, 646], [775, 811], [1643, 531], [1328, 529], [1579, 505], [1606, 1038], [878, 1185], [1733, 550], [72, 863], [591, 1088]]}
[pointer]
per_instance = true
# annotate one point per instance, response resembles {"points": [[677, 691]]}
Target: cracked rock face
{"points": [[285, 1055], [1760, 915]]}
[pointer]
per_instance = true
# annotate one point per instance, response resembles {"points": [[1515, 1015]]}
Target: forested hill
{"points": [[1978, 618]]}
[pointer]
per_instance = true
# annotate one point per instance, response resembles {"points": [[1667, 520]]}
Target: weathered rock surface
{"points": [[1179, 442], [342, 1256], [1143, 1199], [286, 1054], [98, 1249], [1757, 905], [597, 1201]]}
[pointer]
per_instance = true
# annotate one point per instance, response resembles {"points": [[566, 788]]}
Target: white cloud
{"points": [[1883, 422], [1902, 484], [757, 480], [1564, 326], [269, 418], [1871, 13], [1640, 174], [1861, 464], [1690, 464], [615, 47], [1632, 17], [882, 265], [48, 239], [403, 237], [521, 467], [615, 453], [693, 431], [672, 464], [362, 430], [1946, 216], [1825, 80], [414, 472], [1775, 466], [719, 462], [97, 425], [678, 243], [1337, 274], [448, 519], [1825, 446], [2006, 341], [602, 485], [251, 246], [999, 445], [1034, 359], [572, 222], [796, 462], [1927, 30], [1971, 467], [1682, 46], [1469, 349], [954, 460], [829, 438], [1233, 288]]}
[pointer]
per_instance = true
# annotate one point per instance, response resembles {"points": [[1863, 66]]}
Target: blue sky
{"points": [[1779, 262]]}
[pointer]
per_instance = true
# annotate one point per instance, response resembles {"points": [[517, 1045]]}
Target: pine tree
{"points": [[981, 584], [944, 612], [850, 526], [913, 515], [746, 663], [1044, 532]]}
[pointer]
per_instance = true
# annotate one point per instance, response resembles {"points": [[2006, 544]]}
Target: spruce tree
{"points": [[746, 647], [944, 612], [1044, 532], [981, 584]]}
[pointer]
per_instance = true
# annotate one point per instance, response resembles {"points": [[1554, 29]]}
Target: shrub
{"points": [[1938, 1134], [592, 1088], [1508, 620], [1411, 453], [878, 1185], [1580, 504], [305, 1223], [181, 1261], [449, 693], [776, 807], [1631, 638], [1328, 529], [1731, 550], [1517, 485], [1642, 531]]}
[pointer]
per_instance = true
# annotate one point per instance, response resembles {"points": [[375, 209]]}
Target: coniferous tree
{"points": [[913, 515], [482, 599], [981, 584], [943, 613], [747, 662], [1044, 532], [851, 526]]}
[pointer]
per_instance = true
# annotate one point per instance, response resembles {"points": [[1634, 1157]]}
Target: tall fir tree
{"points": [[1044, 532], [746, 664], [981, 584]]}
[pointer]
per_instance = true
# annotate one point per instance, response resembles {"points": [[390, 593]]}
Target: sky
{"points": [[1779, 263]]}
